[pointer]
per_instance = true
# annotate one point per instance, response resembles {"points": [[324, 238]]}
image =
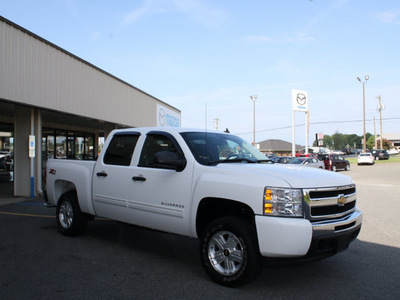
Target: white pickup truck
{"points": [[213, 186]]}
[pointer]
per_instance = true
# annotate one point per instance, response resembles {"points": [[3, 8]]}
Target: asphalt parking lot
{"points": [[117, 261]]}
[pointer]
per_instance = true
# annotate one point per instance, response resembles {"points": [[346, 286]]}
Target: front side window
{"points": [[120, 149], [155, 143]]}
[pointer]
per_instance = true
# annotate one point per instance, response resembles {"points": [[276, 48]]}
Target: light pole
{"points": [[380, 107], [363, 84], [254, 98]]}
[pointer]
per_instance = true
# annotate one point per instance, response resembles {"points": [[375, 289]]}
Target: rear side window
{"points": [[120, 149]]}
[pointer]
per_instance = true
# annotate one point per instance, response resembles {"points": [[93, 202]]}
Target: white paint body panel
{"points": [[283, 237]]}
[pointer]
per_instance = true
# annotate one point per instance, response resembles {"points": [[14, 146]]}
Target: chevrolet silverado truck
{"points": [[213, 186]]}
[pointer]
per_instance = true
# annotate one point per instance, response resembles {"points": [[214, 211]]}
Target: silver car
{"points": [[308, 162]]}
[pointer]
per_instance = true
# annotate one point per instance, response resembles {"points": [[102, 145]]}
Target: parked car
{"points": [[334, 162], [346, 151], [307, 155], [393, 151], [4, 157], [282, 159], [380, 154], [308, 161], [365, 158]]}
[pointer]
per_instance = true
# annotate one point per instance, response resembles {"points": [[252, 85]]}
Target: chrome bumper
{"points": [[337, 226]]}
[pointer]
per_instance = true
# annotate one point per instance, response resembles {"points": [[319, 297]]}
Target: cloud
{"points": [[389, 17], [197, 11], [300, 37], [258, 39]]}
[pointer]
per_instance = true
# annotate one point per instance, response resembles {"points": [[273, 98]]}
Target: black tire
{"points": [[71, 221], [347, 167], [229, 251], [334, 168]]}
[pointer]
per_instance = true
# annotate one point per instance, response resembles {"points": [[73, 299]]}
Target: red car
{"points": [[334, 162]]}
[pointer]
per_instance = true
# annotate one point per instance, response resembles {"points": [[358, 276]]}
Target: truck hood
{"points": [[293, 175]]}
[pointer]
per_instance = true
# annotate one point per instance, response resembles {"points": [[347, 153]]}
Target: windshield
{"points": [[212, 148], [297, 161]]}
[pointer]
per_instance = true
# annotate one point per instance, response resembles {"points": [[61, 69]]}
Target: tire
{"points": [[71, 221], [377, 158], [334, 168], [229, 251], [347, 167]]}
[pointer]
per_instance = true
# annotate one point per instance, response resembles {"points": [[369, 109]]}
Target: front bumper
{"points": [[291, 237]]}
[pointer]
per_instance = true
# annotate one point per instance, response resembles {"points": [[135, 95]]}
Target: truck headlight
{"points": [[283, 202]]}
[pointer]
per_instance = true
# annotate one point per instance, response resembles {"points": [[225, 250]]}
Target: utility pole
{"points": [[380, 107], [375, 134]]}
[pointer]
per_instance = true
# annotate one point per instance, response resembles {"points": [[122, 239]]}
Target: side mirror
{"points": [[170, 160]]}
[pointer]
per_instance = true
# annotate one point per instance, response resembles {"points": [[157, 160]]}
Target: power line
{"points": [[317, 123]]}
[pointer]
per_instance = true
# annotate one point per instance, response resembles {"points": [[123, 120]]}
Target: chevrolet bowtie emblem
{"points": [[341, 200]]}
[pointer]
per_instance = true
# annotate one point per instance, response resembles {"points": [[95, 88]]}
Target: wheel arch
{"points": [[61, 187], [210, 209]]}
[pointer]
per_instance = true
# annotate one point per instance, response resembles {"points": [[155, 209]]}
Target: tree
{"points": [[338, 140], [371, 142]]}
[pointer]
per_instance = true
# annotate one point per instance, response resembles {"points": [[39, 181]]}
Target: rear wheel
{"points": [[229, 251], [71, 220]]}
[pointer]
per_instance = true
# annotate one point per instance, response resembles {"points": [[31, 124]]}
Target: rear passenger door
{"points": [[112, 177]]}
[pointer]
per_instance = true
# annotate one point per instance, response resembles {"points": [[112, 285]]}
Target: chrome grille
{"points": [[329, 203]]}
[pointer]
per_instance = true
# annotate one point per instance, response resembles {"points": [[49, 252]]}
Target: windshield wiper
{"points": [[231, 160], [264, 161]]}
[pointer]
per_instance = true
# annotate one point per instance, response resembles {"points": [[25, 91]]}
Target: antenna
{"points": [[205, 116], [216, 123]]}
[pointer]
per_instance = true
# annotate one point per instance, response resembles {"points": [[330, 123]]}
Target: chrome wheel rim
{"points": [[66, 215], [225, 252]]}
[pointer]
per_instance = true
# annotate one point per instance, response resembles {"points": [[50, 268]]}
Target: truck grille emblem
{"points": [[341, 200]]}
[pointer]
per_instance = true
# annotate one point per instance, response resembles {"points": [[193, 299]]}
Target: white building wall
{"points": [[35, 72]]}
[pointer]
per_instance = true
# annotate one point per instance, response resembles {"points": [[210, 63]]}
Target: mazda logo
{"points": [[301, 98]]}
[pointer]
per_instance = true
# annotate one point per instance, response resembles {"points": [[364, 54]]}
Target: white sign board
{"points": [[299, 100], [31, 146], [167, 118]]}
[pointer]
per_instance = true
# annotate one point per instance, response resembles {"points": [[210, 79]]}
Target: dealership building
{"points": [[55, 104]]}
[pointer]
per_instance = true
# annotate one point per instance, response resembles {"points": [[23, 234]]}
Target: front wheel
{"points": [[334, 168], [229, 251], [71, 220], [347, 167]]}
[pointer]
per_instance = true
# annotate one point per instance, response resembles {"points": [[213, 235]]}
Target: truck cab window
{"points": [[120, 150], [155, 143]]}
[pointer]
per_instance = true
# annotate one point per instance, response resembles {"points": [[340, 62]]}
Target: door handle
{"points": [[138, 178], [102, 174]]}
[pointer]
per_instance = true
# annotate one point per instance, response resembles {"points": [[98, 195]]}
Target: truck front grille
{"points": [[329, 203]]}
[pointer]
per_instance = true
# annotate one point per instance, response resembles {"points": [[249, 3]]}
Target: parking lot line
{"points": [[25, 215]]}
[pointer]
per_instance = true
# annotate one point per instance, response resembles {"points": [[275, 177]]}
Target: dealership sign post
{"points": [[299, 103]]}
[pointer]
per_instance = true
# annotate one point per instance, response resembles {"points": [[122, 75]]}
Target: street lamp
{"points": [[254, 98], [363, 84]]}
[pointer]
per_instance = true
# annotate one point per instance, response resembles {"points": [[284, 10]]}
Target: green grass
{"points": [[392, 159]]}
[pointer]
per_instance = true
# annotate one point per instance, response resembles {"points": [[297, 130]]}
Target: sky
{"points": [[206, 58]]}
